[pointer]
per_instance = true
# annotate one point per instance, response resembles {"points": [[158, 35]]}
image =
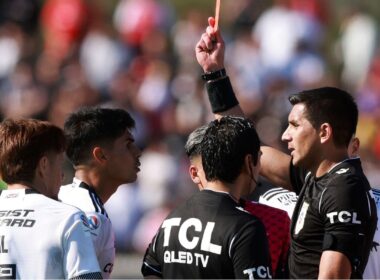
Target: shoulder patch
{"points": [[342, 170], [85, 221], [93, 221]]}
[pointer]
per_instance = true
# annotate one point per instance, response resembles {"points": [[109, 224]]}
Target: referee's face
{"points": [[301, 137], [123, 162]]}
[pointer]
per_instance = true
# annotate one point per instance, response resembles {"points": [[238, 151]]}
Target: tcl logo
{"points": [[258, 272], [191, 243], [343, 217]]}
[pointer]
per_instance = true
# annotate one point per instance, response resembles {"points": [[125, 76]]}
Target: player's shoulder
{"points": [[254, 207], [376, 192], [79, 197], [271, 217], [347, 176], [61, 211]]}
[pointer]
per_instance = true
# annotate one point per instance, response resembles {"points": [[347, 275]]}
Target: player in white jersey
{"points": [[104, 155], [372, 270], [276, 197], [40, 238]]}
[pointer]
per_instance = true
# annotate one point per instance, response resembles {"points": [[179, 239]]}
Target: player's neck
{"points": [[219, 186], [103, 188], [18, 186], [329, 161]]}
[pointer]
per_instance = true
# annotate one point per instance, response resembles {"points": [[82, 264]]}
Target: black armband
{"points": [[221, 95]]}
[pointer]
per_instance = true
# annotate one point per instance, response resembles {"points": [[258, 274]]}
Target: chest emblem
{"points": [[301, 217]]}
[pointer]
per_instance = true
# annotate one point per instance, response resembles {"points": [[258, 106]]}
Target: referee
{"points": [[211, 235], [335, 216]]}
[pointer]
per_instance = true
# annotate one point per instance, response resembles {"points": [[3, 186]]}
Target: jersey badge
{"points": [[94, 222], [342, 170], [301, 217], [85, 221]]}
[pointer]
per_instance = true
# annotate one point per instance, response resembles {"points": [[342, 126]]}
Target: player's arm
{"points": [[210, 56], [104, 242], [249, 252], [346, 210], [151, 268], [79, 254], [209, 52], [275, 167], [334, 265]]}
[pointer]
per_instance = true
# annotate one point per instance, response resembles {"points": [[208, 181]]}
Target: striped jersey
{"points": [[85, 198], [278, 197], [41, 238]]}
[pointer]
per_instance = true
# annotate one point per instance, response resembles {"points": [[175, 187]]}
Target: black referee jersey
{"points": [[209, 236], [334, 212]]}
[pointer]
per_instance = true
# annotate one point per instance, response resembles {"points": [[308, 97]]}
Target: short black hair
{"points": [[330, 105], [193, 143], [224, 146], [91, 126]]}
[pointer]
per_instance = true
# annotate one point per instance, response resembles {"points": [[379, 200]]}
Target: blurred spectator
{"points": [[63, 23], [22, 97], [136, 19], [357, 27], [278, 31], [23, 13]]}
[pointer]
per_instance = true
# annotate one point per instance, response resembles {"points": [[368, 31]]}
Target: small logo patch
{"points": [[342, 170], [85, 221], [93, 221], [301, 218]]}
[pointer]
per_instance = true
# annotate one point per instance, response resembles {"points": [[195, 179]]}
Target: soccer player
{"points": [[40, 238], [335, 216], [105, 156], [276, 221], [210, 235], [372, 270]]}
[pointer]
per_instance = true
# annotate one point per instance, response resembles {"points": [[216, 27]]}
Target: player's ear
{"points": [[325, 132], [42, 166], [193, 171], [98, 154], [248, 164]]}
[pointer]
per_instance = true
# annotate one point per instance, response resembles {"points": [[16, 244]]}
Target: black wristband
{"points": [[214, 75], [221, 95]]}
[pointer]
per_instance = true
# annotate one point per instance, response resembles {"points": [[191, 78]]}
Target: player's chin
{"points": [[296, 162], [132, 178]]}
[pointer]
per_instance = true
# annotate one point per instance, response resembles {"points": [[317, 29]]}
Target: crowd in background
{"points": [[60, 55]]}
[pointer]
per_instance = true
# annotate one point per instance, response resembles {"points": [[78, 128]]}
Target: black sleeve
{"points": [[93, 275], [297, 177], [150, 265], [250, 252], [346, 212]]}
